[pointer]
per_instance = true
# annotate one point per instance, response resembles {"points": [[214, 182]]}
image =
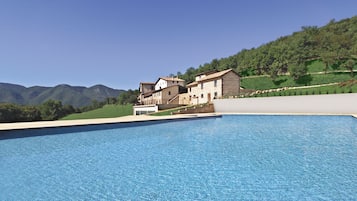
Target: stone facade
{"points": [[230, 84], [213, 86], [145, 88], [206, 87], [167, 95]]}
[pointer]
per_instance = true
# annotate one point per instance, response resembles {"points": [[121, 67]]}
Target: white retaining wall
{"points": [[144, 109], [319, 104]]}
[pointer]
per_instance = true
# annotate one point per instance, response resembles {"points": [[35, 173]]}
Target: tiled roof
{"points": [[210, 76], [215, 75], [172, 79], [192, 84], [147, 83]]}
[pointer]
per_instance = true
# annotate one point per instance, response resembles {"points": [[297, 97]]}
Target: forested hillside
{"points": [[334, 44], [68, 95]]}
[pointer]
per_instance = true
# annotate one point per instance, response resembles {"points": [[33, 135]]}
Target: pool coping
{"points": [[275, 113], [99, 121], [132, 119], [293, 114]]}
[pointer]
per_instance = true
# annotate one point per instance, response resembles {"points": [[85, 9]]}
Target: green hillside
{"points": [[108, 111], [315, 76], [333, 45]]}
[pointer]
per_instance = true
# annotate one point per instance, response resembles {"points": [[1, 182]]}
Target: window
{"points": [[201, 85], [169, 93], [215, 94], [201, 95], [215, 83], [189, 89]]}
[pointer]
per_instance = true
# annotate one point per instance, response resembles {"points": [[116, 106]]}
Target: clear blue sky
{"points": [[120, 43]]}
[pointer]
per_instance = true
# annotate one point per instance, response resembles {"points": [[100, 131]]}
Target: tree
{"points": [[328, 58], [349, 64], [214, 64], [9, 113], [189, 75], [128, 97], [30, 113], [68, 109], [111, 100], [297, 71], [51, 110], [16, 113]]}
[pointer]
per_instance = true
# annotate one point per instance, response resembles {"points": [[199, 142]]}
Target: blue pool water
{"points": [[229, 158]]}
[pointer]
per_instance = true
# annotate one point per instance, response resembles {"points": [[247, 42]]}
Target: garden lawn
{"points": [[107, 111]]}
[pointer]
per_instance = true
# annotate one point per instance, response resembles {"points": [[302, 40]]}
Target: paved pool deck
{"points": [[83, 122], [126, 119]]}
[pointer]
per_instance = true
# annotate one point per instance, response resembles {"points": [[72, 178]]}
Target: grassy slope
{"points": [[264, 82], [108, 111], [313, 91], [261, 83]]}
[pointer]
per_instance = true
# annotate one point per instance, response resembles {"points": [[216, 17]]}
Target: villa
{"points": [[165, 90], [212, 85], [162, 94], [169, 92]]}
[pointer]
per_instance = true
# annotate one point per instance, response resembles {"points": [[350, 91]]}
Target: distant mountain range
{"points": [[72, 95]]}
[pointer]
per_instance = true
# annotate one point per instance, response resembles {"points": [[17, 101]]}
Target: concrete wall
{"points": [[320, 104]]}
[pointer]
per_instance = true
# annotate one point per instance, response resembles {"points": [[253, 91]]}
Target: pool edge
{"points": [[88, 122], [131, 119]]}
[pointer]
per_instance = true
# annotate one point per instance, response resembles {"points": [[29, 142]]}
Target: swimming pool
{"points": [[235, 157]]}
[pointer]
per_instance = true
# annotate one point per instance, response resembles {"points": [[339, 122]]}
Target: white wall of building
{"points": [[317, 104], [202, 93], [192, 91], [160, 84], [198, 78]]}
